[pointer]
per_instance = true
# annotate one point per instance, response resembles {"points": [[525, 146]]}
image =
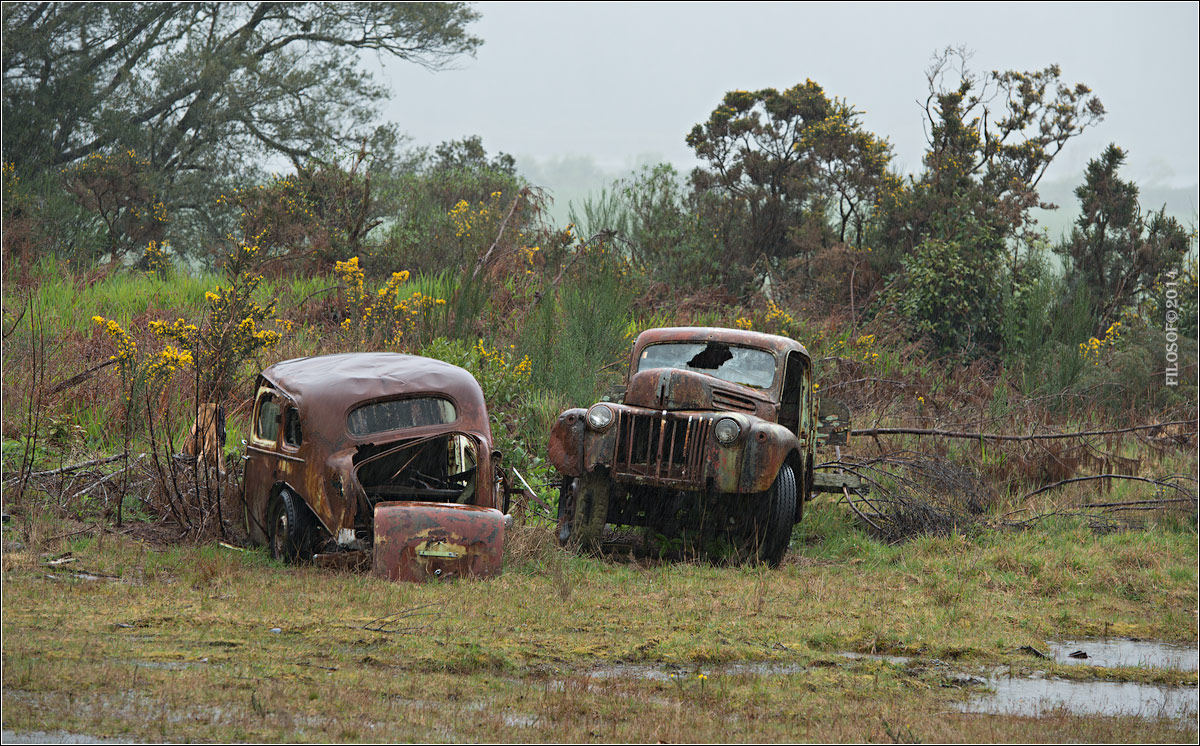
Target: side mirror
{"points": [[833, 423]]}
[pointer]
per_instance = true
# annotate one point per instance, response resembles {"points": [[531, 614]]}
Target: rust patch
{"points": [[425, 541]]}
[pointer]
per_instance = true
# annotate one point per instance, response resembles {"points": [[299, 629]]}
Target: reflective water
{"points": [[1112, 653], [1034, 697]]}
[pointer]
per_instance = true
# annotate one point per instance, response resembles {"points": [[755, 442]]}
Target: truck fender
{"points": [[566, 442], [766, 448]]}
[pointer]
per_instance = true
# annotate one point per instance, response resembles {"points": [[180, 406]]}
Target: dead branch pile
{"points": [[916, 494], [199, 499]]}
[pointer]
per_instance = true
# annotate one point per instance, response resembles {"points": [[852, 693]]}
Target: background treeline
{"points": [[212, 179]]}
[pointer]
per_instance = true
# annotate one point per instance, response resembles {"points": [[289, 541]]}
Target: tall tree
{"points": [[1114, 249], [947, 232], [991, 138], [202, 88], [782, 161]]}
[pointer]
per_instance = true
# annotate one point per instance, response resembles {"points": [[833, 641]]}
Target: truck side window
{"points": [[267, 426], [291, 427], [793, 388]]}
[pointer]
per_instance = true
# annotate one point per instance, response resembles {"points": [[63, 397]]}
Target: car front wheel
{"points": [[290, 527]]}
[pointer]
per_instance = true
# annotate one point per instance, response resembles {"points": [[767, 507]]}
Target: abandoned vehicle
{"points": [[715, 438], [377, 453]]}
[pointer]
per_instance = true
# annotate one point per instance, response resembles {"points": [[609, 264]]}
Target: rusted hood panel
{"points": [[418, 541], [674, 389]]}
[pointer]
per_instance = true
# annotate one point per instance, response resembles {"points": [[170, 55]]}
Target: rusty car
{"points": [[714, 437], [378, 456]]}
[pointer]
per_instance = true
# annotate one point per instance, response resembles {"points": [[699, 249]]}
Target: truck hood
{"points": [[676, 389]]}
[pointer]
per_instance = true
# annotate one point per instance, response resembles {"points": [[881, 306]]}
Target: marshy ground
{"points": [[851, 640]]}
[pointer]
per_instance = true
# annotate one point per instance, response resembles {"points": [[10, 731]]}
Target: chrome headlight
{"points": [[727, 430], [600, 416]]}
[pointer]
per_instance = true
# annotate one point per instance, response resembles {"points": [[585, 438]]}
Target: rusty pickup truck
{"points": [[715, 437], [377, 455]]}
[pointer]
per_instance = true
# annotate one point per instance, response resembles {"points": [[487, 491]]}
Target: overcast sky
{"points": [[617, 84]]}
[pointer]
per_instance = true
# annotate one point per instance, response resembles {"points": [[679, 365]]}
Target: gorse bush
{"points": [[385, 317]]}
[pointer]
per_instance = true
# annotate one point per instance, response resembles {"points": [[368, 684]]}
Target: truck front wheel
{"points": [[583, 510], [766, 534]]}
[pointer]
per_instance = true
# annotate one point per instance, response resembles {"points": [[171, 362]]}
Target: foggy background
{"points": [[582, 94]]}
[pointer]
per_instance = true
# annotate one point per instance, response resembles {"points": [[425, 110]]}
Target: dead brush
{"points": [[528, 543], [916, 494], [532, 547]]}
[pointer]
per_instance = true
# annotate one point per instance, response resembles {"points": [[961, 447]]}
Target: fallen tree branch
{"points": [[996, 436], [1131, 503], [483, 260], [858, 512], [1158, 482], [73, 467], [107, 477], [78, 379]]}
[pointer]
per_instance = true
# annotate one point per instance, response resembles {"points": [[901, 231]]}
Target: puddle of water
{"points": [[635, 671], [1033, 697], [1114, 653], [664, 673], [520, 720], [56, 736], [898, 660], [166, 665]]}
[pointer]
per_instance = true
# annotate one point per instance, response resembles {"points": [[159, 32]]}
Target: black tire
{"points": [[766, 535], [583, 511], [290, 527]]}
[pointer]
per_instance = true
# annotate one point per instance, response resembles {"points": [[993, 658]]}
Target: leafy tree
{"points": [[946, 288], [469, 155], [117, 190], [781, 160], [201, 89], [1116, 250], [321, 213], [428, 204], [990, 140]]}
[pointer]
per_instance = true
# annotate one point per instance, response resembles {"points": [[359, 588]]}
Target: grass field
{"points": [[133, 640]]}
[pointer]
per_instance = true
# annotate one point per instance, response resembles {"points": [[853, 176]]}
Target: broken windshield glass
{"points": [[744, 365]]}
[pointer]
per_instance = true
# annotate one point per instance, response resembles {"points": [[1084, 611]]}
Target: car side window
{"points": [[291, 428], [267, 426]]}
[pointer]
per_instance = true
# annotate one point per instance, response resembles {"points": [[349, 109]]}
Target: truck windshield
{"points": [[731, 363]]}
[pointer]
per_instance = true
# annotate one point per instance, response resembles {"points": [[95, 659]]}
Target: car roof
{"points": [[326, 387]]}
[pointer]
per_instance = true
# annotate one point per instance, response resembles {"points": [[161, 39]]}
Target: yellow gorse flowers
{"points": [[382, 315], [502, 360], [126, 355], [1091, 349]]}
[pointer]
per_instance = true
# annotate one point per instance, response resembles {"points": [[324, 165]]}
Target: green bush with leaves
{"points": [[946, 290]]}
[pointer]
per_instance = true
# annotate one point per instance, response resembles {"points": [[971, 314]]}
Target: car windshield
{"points": [[398, 414], [744, 365]]}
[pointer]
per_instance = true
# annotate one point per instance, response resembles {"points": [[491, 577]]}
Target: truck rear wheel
{"points": [[583, 511], [765, 536]]}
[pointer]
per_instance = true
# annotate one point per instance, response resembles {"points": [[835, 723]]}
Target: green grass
{"points": [[187, 631]]}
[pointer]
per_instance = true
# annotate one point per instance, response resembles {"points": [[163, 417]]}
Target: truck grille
{"points": [[661, 449]]}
